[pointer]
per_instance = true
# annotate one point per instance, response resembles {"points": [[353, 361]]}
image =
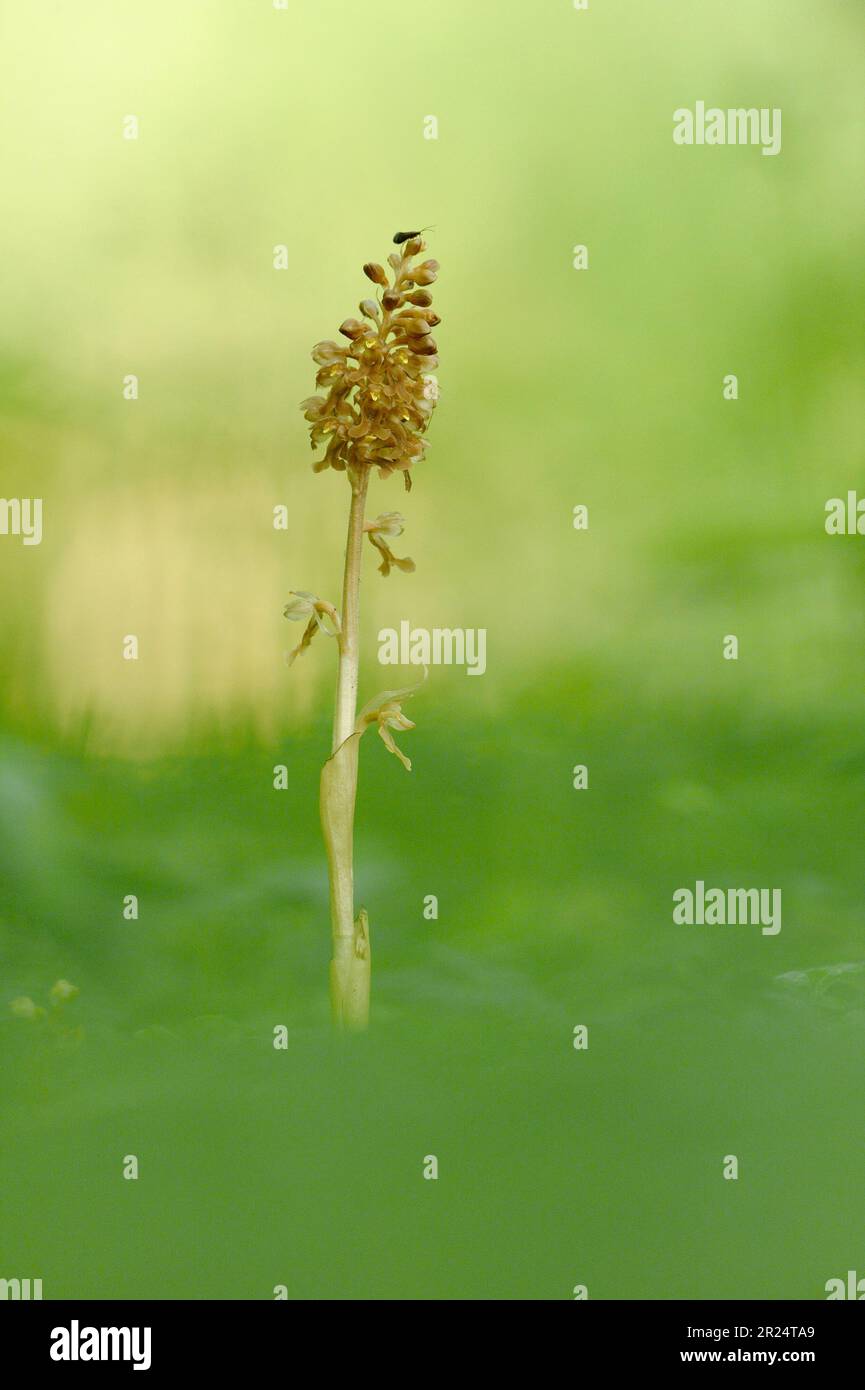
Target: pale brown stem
{"points": [[350, 966], [346, 681]]}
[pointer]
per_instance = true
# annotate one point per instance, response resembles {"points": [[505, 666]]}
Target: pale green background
{"points": [[305, 127]]}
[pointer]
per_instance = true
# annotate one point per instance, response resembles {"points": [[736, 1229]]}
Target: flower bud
{"points": [[369, 308], [327, 352], [412, 324], [375, 272], [425, 347], [415, 246], [420, 297], [391, 300], [350, 328], [432, 319], [425, 273]]}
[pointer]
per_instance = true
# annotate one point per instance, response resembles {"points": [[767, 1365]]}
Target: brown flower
{"points": [[385, 710], [387, 527], [303, 605], [377, 404]]}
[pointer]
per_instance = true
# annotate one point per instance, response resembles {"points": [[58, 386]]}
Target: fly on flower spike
{"points": [[377, 396], [400, 237]]}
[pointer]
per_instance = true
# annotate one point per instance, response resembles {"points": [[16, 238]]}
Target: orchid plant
{"points": [[379, 395]]}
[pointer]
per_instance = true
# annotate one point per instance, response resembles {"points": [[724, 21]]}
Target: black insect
{"points": [[407, 236]]}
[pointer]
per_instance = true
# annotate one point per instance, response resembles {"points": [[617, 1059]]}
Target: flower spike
{"points": [[379, 402]]}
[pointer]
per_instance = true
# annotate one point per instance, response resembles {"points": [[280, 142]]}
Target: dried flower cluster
{"points": [[380, 391]]}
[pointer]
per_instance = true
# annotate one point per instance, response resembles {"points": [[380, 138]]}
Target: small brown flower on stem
{"points": [[303, 605], [387, 527]]}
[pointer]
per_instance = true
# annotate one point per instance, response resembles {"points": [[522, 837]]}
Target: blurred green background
{"points": [[303, 1167]]}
